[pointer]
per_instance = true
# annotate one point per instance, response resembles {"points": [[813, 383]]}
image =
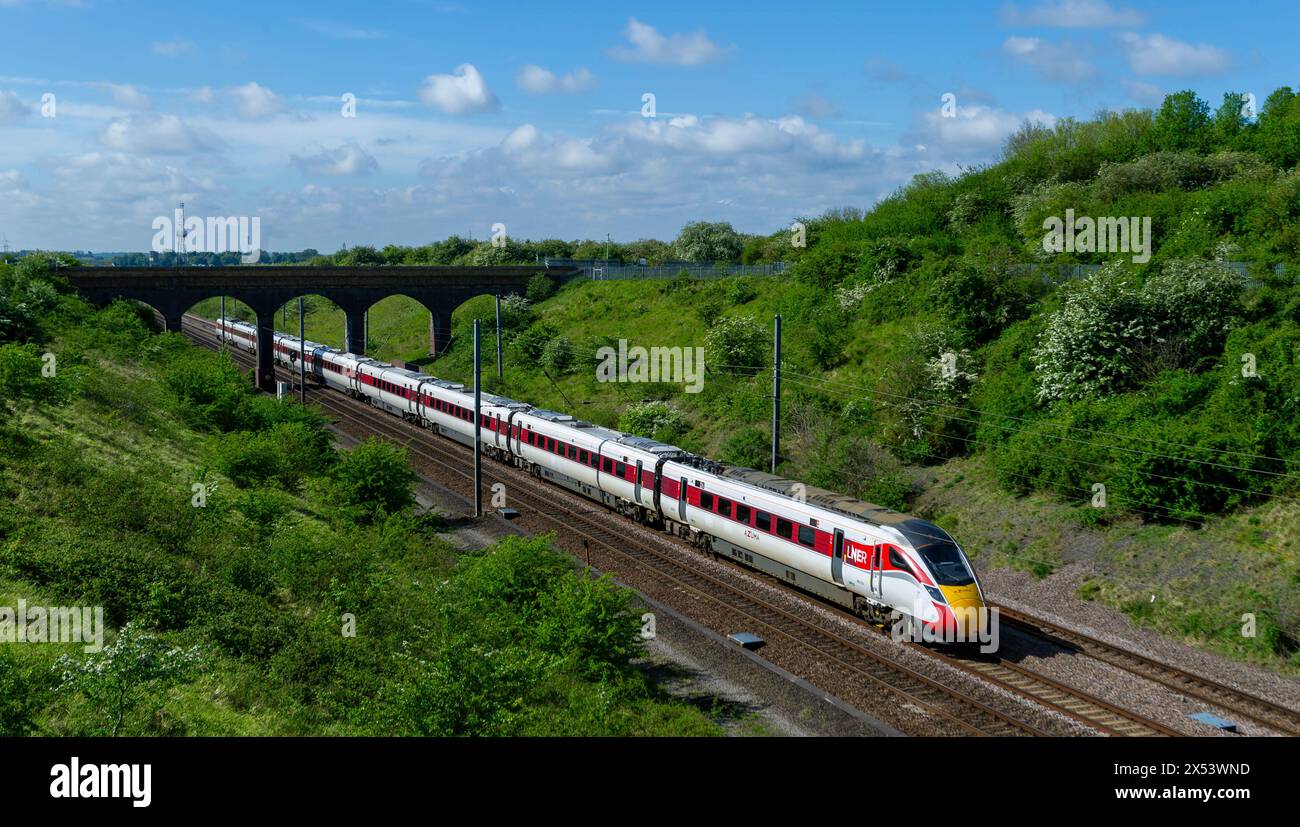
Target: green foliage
{"points": [[736, 343], [655, 420], [126, 672], [373, 480], [19, 698], [559, 356], [24, 375], [540, 288], [748, 447], [591, 623], [1111, 332]]}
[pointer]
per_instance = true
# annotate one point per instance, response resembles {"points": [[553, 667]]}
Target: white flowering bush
{"points": [[736, 342], [1097, 342], [126, 672]]}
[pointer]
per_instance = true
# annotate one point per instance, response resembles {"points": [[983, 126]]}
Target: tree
{"points": [[1183, 123], [126, 672], [702, 241]]}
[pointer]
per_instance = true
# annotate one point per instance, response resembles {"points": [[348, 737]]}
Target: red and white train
{"points": [[882, 564]]}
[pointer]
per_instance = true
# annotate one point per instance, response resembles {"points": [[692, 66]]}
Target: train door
{"points": [[876, 582], [837, 558], [681, 499], [636, 496]]}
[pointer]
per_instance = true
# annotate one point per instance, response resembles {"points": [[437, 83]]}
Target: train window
{"points": [[586, 459], [897, 561], [609, 465], [807, 535], [742, 514], [706, 500], [784, 528], [764, 521], [724, 507], [620, 469]]}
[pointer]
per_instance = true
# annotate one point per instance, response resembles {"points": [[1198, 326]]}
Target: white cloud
{"points": [[172, 48], [541, 81], [975, 131], [1156, 54], [346, 159], [461, 92], [649, 46], [162, 134], [1071, 14], [12, 108], [126, 95], [254, 102], [1053, 61]]}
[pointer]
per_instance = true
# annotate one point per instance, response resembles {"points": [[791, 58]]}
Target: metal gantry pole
{"points": [[223, 324], [499, 372], [365, 332], [478, 457], [776, 394], [302, 355]]}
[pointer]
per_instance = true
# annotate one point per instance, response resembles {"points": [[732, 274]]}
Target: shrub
{"points": [[558, 355], [373, 479], [1109, 328], [736, 343], [655, 420], [590, 622], [540, 288], [749, 447]]}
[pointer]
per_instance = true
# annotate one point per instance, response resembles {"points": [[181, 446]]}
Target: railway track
{"points": [[1251, 707], [972, 716], [959, 712]]}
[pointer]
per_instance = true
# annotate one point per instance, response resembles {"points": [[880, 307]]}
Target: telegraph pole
{"points": [[499, 373], [776, 394], [478, 457], [302, 355], [365, 332]]}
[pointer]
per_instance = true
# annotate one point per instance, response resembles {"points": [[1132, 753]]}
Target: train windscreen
{"points": [[947, 562]]}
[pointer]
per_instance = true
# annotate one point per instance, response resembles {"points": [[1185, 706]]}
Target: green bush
{"points": [[373, 479], [655, 420], [748, 447], [736, 343], [540, 288]]}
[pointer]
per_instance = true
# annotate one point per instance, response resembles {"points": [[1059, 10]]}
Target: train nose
{"points": [[969, 611]]}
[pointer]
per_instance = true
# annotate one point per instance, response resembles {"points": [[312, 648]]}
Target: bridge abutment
{"points": [[265, 371]]}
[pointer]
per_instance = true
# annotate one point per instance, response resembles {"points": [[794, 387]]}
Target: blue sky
{"points": [[530, 114]]}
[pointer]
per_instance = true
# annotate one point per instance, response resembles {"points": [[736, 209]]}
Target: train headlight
{"points": [[936, 595]]}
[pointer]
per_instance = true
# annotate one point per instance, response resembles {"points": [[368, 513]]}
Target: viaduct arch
{"points": [[173, 290]]}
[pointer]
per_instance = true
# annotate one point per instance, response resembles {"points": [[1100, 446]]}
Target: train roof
{"points": [[650, 446], [829, 500]]}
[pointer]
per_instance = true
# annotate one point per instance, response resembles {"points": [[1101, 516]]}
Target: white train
{"points": [[870, 559]]}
